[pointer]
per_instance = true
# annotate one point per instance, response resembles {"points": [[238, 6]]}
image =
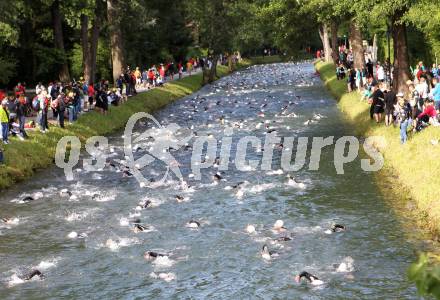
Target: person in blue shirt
{"points": [[436, 93], [435, 71]]}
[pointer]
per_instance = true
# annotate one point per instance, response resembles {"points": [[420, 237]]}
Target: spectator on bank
{"points": [[435, 71], [138, 76], [427, 117], [414, 100], [180, 69], [370, 68], [12, 108], [171, 70], [340, 72], [20, 89], [101, 100], [390, 102], [59, 104], [377, 103], [436, 93], [4, 120], [162, 72], [151, 79], [403, 114], [351, 78], [91, 93], [21, 116], [358, 79], [189, 66], [380, 73], [39, 88], [43, 101], [69, 106], [368, 89], [423, 89], [144, 78]]}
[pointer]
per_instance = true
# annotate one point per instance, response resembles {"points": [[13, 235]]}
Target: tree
{"points": [[89, 40], [116, 42], [357, 45], [217, 26], [64, 74], [323, 34], [394, 12]]}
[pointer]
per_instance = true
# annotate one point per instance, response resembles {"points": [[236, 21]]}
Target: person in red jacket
{"points": [[162, 72], [91, 93], [427, 116]]}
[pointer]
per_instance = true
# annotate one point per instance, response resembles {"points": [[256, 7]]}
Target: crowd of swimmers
{"points": [[137, 226], [282, 233]]}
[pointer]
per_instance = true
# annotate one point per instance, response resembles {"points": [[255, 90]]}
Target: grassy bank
{"points": [[415, 165], [23, 158]]}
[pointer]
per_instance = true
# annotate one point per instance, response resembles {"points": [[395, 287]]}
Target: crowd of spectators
{"points": [[23, 110], [412, 109]]}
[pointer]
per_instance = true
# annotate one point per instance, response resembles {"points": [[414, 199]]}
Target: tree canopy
{"points": [[44, 40]]}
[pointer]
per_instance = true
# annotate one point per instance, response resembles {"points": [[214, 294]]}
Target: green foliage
{"points": [[425, 273], [76, 63], [103, 60], [7, 69], [215, 23]]}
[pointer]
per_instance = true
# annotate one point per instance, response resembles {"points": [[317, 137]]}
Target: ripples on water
{"points": [[218, 260]]}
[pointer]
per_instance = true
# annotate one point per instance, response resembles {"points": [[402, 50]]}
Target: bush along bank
{"points": [[415, 165], [23, 158]]}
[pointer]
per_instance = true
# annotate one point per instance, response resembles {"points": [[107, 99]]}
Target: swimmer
{"points": [[278, 227], [250, 229], [28, 199], [292, 182], [266, 254], [139, 228], [284, 239], [9, 221], [193, 224], [32, 274], [311, 278], [145, 204], [127, 173], [65, 192], [179, 198], [217, 176], [150, 255], [338, 228]]}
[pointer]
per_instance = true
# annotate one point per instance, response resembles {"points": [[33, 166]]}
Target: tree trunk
{"points": [[116, 42], [323, 33], [96, 28], [335, 50], [59, 40], [401, 60], [374, 54], [85, 47], [213, 71], [230, 66], [356, 45]]}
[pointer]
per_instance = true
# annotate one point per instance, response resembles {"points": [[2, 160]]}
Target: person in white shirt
{"points": [[422, 88], [380, 73]]}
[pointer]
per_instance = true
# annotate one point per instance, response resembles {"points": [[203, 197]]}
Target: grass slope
{"points": [[23, 158], [415, 165]]}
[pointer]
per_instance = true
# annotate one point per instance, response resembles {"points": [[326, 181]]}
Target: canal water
{"points": [[220, 259]]}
